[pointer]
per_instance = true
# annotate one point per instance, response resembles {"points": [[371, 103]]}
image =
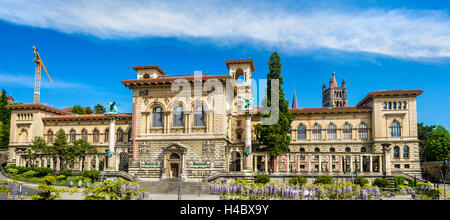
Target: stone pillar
{"points": [[266, 163], [18, 159], [297, 163], [112, 141], [330, 167], [320, 163], [286, 163], [275, 164], [351, 163], [58, 163], [340, 163], [88, 162], [51, 162], [45, 162], [361, 163], [39, 161], [97, 163], [255, 165], [370, 164], [248, 143], [80, 163], [308, 163]]}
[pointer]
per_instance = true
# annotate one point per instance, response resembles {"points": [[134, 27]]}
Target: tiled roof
{"points": [[389, 93], [149, 67], [169, 80], [83, 117], [250, 61], [38, 107]]}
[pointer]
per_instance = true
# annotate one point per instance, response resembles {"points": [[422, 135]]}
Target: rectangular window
{"points": [[397, 166], [406, 166]]}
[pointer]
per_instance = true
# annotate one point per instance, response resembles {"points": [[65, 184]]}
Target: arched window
{"points": [[96, 136], [363, 131], [302, 149], [73, 135], [84, 134], [332, 149], [331, 132], [348, 150], [301, 132], [405, 152], [347, 131], [363, 149], [396, 130], [404, 105], [317, 150], [119, 135], [178, 116], [50, 136], [384, 105], [390, 105], [395, 105], [396, 152], [199, 116], [146, 76], [316, 132], [106, 135], [157, 117]]}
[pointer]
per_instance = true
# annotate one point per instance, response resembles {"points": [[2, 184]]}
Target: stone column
{"points": [[361, 157], [351, 163], [320, 163], [58, 163], [112, 140], [18, 159], [370, 164], [255, 160], [286, 163], [297, 163], [80, 163], [51, 162], [266, 163], [45, 161], [275, 164], [308, 163], [340, 163], [97, 163], [248, 143], [39, 161], [88, 162], [330, 167]]}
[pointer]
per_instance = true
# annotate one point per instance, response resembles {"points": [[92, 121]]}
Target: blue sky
{"points": [[90, 46]]}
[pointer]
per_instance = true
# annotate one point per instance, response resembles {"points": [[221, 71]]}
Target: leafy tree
{"points": [[381, 182], [115, 190], [88, 110], [262, 178], [323, 180], [99, 109], [38, 144], [275, 137], [77, 109], [437, 145], [361, 181], [5, 119], [423, 133], [49, 192]]}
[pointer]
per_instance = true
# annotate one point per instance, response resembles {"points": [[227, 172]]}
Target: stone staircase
{"points": [[171, 186]]}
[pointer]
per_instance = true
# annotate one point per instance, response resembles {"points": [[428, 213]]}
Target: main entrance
{"points": [[174, 162]]}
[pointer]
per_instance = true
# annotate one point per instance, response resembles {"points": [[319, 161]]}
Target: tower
{"points": [[334, 96], [241, 71]]}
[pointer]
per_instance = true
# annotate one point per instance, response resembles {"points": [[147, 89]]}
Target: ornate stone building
{"points": [[199, 127]]}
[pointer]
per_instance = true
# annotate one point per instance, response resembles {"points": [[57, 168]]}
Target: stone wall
{"points": [[431, 171]]}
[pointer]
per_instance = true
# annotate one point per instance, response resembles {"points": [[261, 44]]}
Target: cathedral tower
{"points": [[334, 96]]}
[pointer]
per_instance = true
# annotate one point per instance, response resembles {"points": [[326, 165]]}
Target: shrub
{"points": [[23, 169], [43, 171], [298, 180], [399, 180], [12, 170], [381, 182], [29, 173], [262, 178], [361, 181], [323, 180], [49, 180], [60, 177], [92, 174], [65, 172]]}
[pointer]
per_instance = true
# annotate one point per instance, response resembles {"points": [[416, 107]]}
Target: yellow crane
{"points": [[37, 81]]}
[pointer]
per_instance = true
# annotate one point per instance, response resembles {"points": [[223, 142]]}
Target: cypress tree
{"points": [[99, 109], [275, 137], [5, 118]]}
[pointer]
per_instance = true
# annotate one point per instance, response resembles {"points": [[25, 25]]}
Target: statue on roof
{"points": [[113, 107]]}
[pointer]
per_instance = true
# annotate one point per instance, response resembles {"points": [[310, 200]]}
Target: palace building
{"points": [[197, 127]]}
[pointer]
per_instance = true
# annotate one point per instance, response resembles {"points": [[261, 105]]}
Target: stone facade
{"points": [[197, 127]]}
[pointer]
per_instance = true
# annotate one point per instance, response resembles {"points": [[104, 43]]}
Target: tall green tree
{"points": [[77, 109], [5, 119], [437, 145], [423, 133], [99, 109], [275, 137]]}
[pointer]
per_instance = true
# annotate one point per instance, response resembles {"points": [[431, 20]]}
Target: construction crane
{"points": [[37, 80]]}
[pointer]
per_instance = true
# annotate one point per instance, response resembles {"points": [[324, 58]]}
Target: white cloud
{"points": [[398, 33]]}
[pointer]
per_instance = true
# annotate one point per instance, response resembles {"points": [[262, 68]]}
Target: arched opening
{"points": [[174, 165], [146, 76], [23, 136], [235, 162], [239, 76]]}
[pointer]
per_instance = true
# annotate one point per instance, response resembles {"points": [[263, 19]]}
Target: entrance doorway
{"points": [[174, 162]]}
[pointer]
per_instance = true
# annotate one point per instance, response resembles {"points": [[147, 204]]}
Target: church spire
{"points": [[294, 102]]}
